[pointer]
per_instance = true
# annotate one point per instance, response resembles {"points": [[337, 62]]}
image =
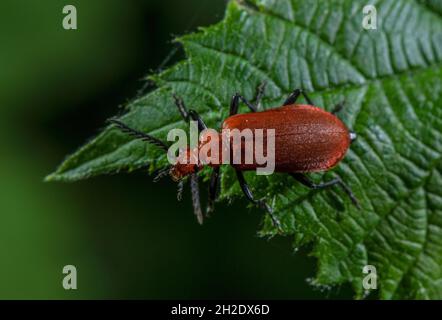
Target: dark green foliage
{"points": [[391, 79]]}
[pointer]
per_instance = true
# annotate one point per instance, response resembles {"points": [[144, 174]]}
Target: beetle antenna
{"points": [[138, 134], [350, 194]]}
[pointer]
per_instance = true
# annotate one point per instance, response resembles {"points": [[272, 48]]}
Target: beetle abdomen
{"points": [[307, 138]]}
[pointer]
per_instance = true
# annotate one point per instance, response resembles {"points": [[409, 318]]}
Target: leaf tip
{"points": [[52, 177]]}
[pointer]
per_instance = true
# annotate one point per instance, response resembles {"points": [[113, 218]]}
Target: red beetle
{"points": [[307, 139]]}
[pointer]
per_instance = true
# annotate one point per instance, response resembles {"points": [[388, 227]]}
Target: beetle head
{"points": [[180, 171], [187, 163]]}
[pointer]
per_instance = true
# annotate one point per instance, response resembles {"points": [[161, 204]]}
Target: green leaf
{"points": [[391, 79]]}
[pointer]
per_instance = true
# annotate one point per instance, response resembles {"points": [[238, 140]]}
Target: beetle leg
{"points": [[234, 104], [181, 107], [180, 190], [260, 203], [196, 117], [189, 115], [161, 174], [194, 188], [295, 95], [260, 91], [338, 107], [213, 189], [337, 181]]}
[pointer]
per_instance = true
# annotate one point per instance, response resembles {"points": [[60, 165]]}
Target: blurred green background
{"points": [[128, 237]]}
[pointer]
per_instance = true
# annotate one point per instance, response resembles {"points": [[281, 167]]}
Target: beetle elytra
{"points": [[307, 139]]}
